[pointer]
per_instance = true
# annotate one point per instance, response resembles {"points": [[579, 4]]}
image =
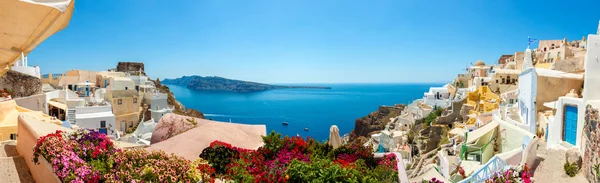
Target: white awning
{"points": [[58, 105], [481, 131]]}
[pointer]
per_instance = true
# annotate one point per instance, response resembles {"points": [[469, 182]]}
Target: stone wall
{"points": [[591, 144], [22, 85], [130, 67], [455, 115]]}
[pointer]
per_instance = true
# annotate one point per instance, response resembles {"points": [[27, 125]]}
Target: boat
{"points": [[305, 129], [285, 123]]}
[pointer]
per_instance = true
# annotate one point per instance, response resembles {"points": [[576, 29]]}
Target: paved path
{"points": [[12, 166], [550, 167]]}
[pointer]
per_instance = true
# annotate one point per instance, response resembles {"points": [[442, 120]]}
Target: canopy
{"points": [[58, 105], [26, 23], [480, 132]]}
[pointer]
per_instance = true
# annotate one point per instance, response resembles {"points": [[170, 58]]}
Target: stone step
{"points": [[14, 169]]}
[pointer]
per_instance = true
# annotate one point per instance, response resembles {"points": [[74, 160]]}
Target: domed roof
{"points": [[479, 63]]}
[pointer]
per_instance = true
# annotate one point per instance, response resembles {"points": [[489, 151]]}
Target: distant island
{"points": [[215, 83]]}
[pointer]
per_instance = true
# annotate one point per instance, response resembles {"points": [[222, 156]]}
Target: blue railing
{"points": [[487, 171]]}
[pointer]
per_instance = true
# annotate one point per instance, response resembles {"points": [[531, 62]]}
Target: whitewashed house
{"points": [[97, 117], [438, 97], [538, 86], [565, 128]]}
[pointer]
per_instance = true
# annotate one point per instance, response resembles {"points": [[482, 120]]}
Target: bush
{"points": [[219, 155], [571, 168]]}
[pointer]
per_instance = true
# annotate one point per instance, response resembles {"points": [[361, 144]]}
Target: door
{"points": [[570, 125], [123, 127], [103, 127]]}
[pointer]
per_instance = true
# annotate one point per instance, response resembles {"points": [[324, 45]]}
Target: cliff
{"points": [[22, 85], [223, 84], [179, 108], [375, 121]]}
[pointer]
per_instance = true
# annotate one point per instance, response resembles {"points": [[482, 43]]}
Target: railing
{"points": [[487, 171]]}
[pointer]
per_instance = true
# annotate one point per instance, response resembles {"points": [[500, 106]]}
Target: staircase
{"points": [[14, 167], [71, 115], [425, 159], [487, 171]]}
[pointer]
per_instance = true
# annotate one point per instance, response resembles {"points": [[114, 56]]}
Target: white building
{"points": [[539, 86], [120, 83], [96, 117], [419, 109], [566, 125], [158, 105], [22, 66], [438, 97]]}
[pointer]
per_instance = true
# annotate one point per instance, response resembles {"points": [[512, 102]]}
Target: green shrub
{"points": [[597, 171], [218, 156], [327, 171], [571, 168]]}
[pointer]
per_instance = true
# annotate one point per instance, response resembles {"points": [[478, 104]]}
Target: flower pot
{"points": [[48, 167]]}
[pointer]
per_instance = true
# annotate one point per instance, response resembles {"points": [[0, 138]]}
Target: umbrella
{"points": [[334, 137], [26, 23]]}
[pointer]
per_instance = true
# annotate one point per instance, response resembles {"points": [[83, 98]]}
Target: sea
{"points": [[314, 109]]}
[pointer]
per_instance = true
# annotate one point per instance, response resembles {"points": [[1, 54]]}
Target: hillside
{"points": [[214, 83]]}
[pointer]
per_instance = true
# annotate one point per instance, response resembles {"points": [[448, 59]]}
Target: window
{"points": [[135, 100], [13, 136], [119, 101], [125, 88], [496, 81], [102, 124]]}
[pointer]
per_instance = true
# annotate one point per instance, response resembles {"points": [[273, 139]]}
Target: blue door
{"points": [[570, 127], [103, 127]]}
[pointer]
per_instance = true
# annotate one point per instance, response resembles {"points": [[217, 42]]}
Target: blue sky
{"points": [[307, 41]]}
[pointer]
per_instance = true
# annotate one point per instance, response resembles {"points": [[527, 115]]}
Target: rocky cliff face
{"points": [[591, 134], [375, 121], [431, 138], [131, 67], [22, 85], [179, 108]]}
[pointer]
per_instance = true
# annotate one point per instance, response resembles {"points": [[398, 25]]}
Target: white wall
{"points": [[35, 102], [156, 101], [94, 123], [555, 127], [139, 80], [512, 136], [32, 71], [591, 90], [527, 96], [121, 84]]}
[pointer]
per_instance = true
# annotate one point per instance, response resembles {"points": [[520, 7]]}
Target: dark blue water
{"points": [[316, 109]]}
